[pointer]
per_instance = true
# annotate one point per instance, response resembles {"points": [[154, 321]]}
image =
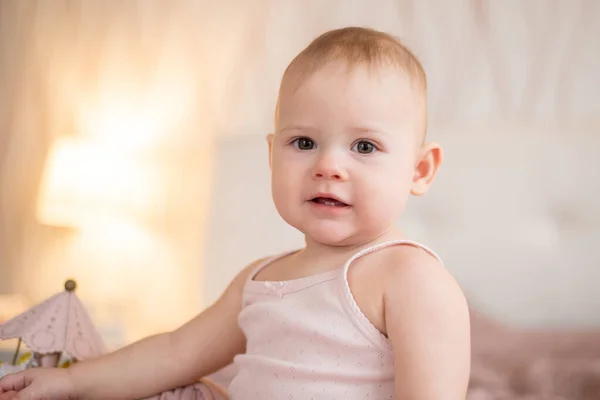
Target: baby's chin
{"points": [[334, 233]]}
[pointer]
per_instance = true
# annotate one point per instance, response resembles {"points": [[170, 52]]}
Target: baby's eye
{"points": [[304, 143], [364, 147]]}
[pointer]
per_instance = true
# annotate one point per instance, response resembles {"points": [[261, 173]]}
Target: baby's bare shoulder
{"points": [[410, 270], [427, 322], [407, 260], [386, 281]]}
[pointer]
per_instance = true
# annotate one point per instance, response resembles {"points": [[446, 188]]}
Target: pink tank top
{"points": [[308, 339]]}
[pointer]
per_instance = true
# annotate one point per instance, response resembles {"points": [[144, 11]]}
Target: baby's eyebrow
{"points": [[303, 128], [363, 129]]}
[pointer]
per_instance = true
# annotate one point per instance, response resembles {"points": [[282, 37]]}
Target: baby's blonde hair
{"points": [[355, 46]]}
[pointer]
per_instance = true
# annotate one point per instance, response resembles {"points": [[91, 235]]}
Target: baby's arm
{"points": [[152, 365], [427, 322]]}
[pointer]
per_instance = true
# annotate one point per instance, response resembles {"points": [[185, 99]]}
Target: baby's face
{"points": [[344, 154]]}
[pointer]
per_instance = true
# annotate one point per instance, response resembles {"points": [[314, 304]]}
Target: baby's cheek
{"points": [[386, 198], [287, 192]]}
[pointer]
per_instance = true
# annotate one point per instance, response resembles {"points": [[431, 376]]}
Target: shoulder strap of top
{"points": [[264, 263], [349, 302], [388, 244]]}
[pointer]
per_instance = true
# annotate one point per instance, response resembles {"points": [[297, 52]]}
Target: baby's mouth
{"points": [[328, 201]]}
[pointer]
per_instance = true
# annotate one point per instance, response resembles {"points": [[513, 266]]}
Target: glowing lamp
{"points": [[88, 181]]}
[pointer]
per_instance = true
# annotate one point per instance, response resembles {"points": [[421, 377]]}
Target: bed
{"points": [[528, 364]]}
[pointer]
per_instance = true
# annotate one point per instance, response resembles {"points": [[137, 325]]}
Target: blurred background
{"points": [[133, 158]]}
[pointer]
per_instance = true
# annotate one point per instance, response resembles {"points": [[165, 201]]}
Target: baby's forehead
{"points": [[358, 88], [356, 94], [343, 72]]}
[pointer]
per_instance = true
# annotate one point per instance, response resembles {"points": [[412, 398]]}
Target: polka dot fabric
{"points": [[308, 339]]}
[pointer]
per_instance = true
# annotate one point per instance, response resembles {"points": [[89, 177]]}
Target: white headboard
{"points": [[515, 216]]}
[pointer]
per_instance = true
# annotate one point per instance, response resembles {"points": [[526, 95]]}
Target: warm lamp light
{"points": [[108, 193], [89, 181]]}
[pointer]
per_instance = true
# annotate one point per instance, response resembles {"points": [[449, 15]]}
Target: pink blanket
{"points": [[511, 364]]}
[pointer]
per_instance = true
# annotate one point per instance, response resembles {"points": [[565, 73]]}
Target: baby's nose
{"points": [[329, 167]]}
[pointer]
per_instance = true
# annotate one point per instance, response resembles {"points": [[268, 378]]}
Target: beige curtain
{"points": [[24, 137], [63, 61]]}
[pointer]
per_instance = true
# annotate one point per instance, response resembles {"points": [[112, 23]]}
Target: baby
{"points": [[359, 312]]}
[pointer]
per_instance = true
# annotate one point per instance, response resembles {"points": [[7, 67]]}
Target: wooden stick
{"points": [[17, 352]]}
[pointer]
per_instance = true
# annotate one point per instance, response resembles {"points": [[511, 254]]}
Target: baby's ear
{"points": [[270, 143], [430, 159]]}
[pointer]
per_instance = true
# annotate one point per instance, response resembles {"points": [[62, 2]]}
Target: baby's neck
{"points": [[317, 250]]}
